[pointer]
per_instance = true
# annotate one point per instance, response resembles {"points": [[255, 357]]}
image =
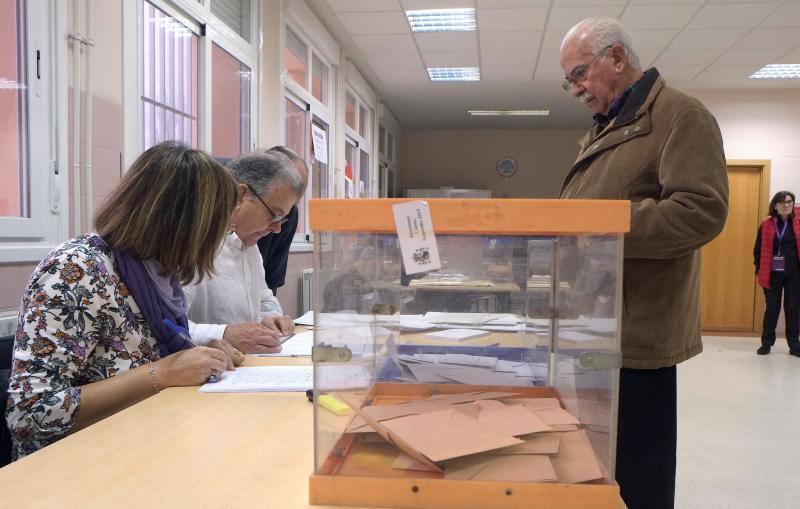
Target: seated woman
{"points": [[90, 339]]}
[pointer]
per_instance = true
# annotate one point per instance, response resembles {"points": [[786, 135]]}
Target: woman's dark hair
{"points": [[780, 197], [173, 205]]}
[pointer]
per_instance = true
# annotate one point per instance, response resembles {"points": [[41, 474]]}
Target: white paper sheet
{"points": [[298, 346], [264, 379], [457, 334]]}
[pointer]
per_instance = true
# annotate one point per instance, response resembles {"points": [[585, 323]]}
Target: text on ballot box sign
{"points": [[412, 220]]}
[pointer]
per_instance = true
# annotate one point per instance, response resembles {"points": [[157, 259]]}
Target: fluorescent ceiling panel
{"points": [[503, 113], [442, 20], [778, 72], [454, 73]]}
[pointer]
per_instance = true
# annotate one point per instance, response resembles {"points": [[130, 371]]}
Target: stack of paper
{"points": [[332, 377], [457, 334], [485, 436]]}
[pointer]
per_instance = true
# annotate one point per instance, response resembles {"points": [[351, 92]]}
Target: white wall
{"points": [[760, 125]]}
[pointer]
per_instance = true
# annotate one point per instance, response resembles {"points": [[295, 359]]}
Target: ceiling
{"points": [[695, 44]]}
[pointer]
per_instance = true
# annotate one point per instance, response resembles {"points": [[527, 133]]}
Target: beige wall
{"points": [[468, 159]]}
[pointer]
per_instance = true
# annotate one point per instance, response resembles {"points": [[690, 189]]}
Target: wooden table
{"points": [[179, 448]]}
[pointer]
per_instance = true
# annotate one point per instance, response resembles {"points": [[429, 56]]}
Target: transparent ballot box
{"points": [[489, 381]]}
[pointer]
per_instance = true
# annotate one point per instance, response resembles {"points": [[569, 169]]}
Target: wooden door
{"points": [[728, 294]]}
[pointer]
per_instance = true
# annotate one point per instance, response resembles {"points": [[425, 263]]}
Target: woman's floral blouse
{"points": [[77, 325]]}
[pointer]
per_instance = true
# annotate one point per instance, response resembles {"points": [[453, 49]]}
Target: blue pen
{"points": [[184, 334]]}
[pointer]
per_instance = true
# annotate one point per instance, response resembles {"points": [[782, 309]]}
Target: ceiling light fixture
{"points": [[454, 73], [442, 20], [777, 72], [520, 113]]}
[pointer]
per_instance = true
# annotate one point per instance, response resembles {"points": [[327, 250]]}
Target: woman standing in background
{"points": [[778, 269]]}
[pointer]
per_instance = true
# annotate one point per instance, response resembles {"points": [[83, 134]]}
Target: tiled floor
{"points": [[739, 427]]}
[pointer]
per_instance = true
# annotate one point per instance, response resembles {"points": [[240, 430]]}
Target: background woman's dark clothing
{"points": [[784, 283], [788, 245]]}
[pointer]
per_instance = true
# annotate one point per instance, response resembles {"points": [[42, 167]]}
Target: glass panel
{"points": [[13, 111], [544, 311], [382, 140], [363, 122], [169, 80], [319, 171], [351, 161], [390, 146], [230, 104], [297, 134], [295, 59], [350, 110], [390, 183], [319, 80], [364, 174], [382, 173], [235, 14]]}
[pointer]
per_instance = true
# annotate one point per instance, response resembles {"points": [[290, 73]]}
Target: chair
{"points": [[6, 356]]}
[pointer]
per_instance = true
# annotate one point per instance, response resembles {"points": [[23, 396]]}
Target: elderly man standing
{"points": [[235, 304], [662, 150]]}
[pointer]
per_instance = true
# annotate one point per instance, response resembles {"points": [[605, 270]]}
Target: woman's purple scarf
{"points": [[144, 291]]}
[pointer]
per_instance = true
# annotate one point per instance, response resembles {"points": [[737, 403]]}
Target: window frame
{"points": [[211, 30], [362, 144], [29, 239], [303, 96]]}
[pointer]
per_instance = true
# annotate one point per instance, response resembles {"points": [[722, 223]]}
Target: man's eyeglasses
{"points": [[579, 73], [274, 218], [789, 202]]}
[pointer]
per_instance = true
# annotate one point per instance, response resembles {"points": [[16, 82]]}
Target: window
{"points": [[169, 100], [363, 122], [234, 13], [230, 96], [194, 79], [13, 111], [307, 118], [295, 58], [33, 205], [350, 167], [319, 80], [386, 155], [350, 110], [358, 151], [364, 175]]}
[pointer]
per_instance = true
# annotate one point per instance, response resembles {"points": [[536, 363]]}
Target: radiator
{"points": [[306, 290]]}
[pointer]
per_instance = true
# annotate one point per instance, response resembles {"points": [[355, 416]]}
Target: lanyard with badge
{"points": [[779, 261]]}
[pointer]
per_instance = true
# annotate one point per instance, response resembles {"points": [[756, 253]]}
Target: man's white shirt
{"points": [[236, 293]]}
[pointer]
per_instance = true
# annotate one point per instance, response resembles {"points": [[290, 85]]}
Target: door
{"points": [[728, 291]]}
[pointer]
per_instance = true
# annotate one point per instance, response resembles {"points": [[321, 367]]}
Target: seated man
{"points": [[235, 303]]}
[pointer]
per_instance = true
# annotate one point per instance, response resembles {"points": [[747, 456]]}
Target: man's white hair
{"points": [[602, 33]]}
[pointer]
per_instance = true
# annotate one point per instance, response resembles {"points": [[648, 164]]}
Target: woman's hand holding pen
{"points": [[192, 366], [253, 338]]}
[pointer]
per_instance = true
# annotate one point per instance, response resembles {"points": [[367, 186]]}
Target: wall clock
{"points": [[506, 166]]}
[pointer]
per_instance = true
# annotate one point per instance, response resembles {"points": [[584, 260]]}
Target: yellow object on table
{"points": [[333, 404]]}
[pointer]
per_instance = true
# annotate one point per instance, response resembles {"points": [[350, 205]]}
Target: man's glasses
{"points": [[787, 202], [274, 218], [579, 73]]}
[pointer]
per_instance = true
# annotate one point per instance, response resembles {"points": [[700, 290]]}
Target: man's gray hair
{"points": [[264, 170], [602, 33]]}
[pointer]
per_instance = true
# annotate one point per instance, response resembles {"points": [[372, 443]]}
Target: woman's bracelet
{"points": [[153, 376]]}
